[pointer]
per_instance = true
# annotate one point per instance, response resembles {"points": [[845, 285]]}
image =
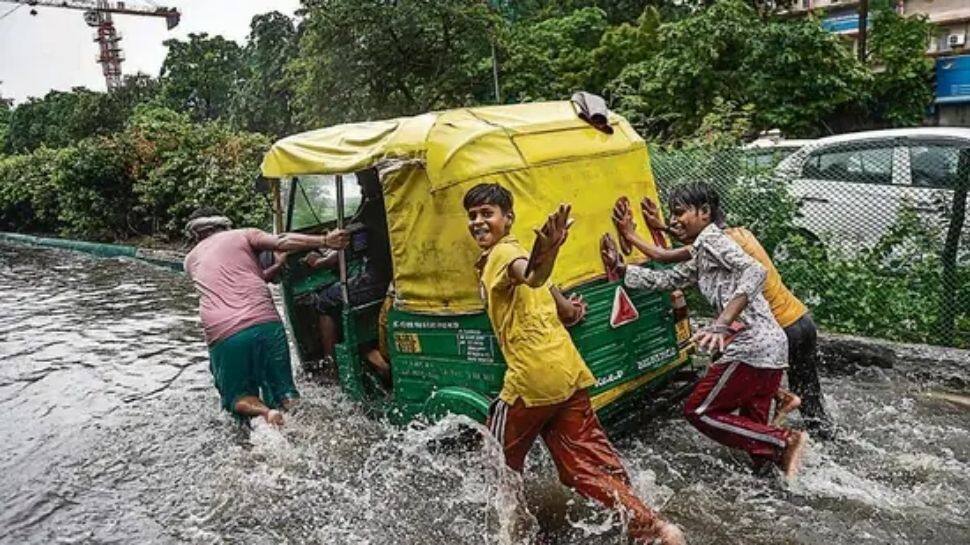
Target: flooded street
{"points": [[111, 433]]}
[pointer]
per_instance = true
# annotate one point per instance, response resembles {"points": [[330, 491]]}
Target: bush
{"points": [[28, 199], [183, 166], [93, 185], [143, 181]]}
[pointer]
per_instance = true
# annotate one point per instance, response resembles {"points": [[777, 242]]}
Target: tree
{"points": [[786, 74], [372, 59], [901, 89], [180, 165], [5, 105], [698, 60], [60, 118], [623, 45], [799, 75], [200, 75], [262, 100], [552, 58]]}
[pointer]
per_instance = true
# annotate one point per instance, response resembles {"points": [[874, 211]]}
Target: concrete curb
{"points": [[844, 354], [164, 258]]}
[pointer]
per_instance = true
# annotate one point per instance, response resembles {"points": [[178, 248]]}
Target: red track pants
{"points": [[735, 386], [583, 455]]}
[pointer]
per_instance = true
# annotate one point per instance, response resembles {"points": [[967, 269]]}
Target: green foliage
{"points": [[144, 180], [368, 59], [552, 58], [890, 291], [199, 75], [799, 75], [622, 45], [698, 61], [92, 183], [60, 119], [901, 89], [789, 74], [262, 100], [183, 165]]}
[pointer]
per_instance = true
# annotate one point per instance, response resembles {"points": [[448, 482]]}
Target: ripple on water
{"points": [[112, 433]]}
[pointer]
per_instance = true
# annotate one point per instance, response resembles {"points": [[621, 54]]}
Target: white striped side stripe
{"points": [[741, 431], [498, 421], [717, 388]]}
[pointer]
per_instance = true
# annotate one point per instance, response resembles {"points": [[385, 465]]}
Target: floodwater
{"points": [[111, 433]]}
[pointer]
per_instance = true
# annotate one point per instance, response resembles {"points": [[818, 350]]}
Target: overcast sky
{"points": [[55, 48]]}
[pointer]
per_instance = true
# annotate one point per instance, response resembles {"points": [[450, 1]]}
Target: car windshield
{"points": [[767, 157], [313, 199]]}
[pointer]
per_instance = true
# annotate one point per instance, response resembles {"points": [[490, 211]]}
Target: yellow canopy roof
{"points": [[543, 153], [454, 145]]}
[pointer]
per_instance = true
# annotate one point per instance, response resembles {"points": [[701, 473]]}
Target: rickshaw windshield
{"points": [[312, 199]]}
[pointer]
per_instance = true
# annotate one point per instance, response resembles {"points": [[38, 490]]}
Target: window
{"points": [[872, 165], [934, 165], [314, 199]]}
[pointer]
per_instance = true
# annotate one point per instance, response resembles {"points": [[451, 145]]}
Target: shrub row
{"points": [[142, 181]]}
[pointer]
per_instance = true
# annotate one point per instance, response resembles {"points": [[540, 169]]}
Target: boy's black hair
{"points": [[697, 195], [204, 212], [493, 194]]}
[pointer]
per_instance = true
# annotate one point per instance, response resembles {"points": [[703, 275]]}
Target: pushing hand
{"points": [[336, 239], [651, 214], [274, 417], [623, 218], [579, 306]]}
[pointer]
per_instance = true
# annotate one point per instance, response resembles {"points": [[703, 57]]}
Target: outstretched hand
{"points": [[549, 238], [710, 341], [623, 218], [651, 214], [554, 231]]}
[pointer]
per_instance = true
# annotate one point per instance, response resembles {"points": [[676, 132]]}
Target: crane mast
{"points": [[97, 14]]}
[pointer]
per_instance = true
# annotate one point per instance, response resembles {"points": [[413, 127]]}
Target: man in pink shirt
{"points": [[248, 354]]}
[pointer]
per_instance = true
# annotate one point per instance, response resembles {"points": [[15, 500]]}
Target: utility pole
{"points": [[498, 91], [863, 30]]}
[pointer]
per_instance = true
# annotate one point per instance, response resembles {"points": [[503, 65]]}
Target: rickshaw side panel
{"points": [[433, 353]]}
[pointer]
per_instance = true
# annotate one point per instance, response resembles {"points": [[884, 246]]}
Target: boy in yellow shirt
{"points": [[545, 387]]}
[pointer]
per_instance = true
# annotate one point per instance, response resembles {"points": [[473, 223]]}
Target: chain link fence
{"points": [[870, 231]]}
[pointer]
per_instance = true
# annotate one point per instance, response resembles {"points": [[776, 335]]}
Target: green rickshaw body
{"points": [[443, 352]]}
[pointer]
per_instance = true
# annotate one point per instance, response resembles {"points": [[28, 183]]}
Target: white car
{"points": [[766, 152], [853, 186]]}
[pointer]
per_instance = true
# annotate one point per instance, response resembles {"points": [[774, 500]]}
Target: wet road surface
{"points": [[111, 433]]}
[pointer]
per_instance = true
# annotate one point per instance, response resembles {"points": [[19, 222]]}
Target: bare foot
{"points": [[379, 366], [664, 533], [791, 458], [786, 402], [274, 417]]}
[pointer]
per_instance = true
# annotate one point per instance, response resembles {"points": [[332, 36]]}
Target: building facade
{"points": [[949, 46]]}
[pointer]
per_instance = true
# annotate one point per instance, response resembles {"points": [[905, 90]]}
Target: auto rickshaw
{"points": [[443, 353]]}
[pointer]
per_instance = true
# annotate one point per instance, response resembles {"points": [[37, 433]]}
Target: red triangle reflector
{"points": [[623, 310]]}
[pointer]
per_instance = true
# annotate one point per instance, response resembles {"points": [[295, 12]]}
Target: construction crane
{"points": [[97, 14]]}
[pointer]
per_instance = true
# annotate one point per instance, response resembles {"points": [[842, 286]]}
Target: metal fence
{"points": [[871, 233]]}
